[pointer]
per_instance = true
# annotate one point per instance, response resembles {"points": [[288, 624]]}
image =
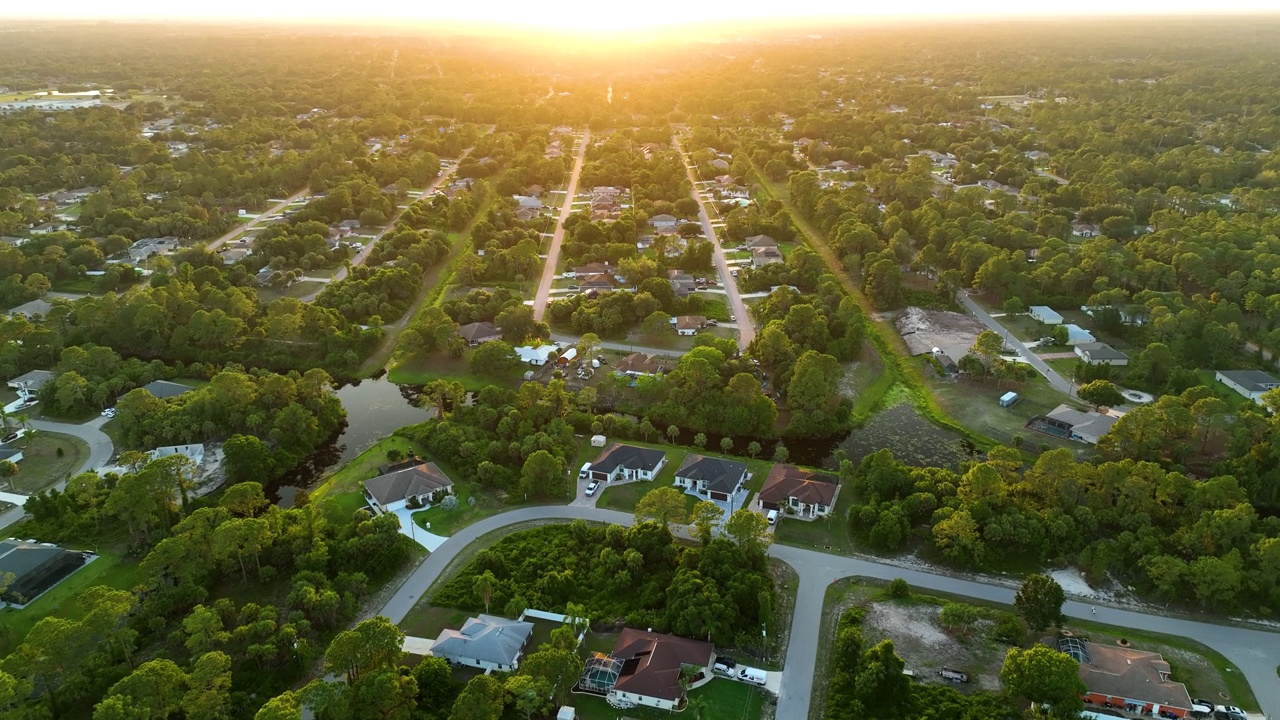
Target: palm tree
{"points": [[673, 432]]}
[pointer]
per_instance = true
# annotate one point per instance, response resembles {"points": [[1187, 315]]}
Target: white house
{"points": [[688, 324], [486, 642], [627, 462], [1045, 314], [663, 222], [805, 493], [540, 355], [645, 668], [1249, 383], [423, 483], [1096, 353], [716, 478]]}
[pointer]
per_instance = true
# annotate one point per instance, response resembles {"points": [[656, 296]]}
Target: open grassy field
{"points": [[47, 458], [447, 522], [421, 369], [347, 478], [975, 403]]}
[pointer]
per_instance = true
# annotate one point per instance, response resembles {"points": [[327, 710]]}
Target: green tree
{"points": [[280, 707], [209, 693], [700, 440], [245, 499], [1039, 601], [530, 695], [8, 470], [485, 586], [883, 284], [543, 476], [958, 618], [482, 699], [664, 505], [1101, 393], [246, 457], [750, 530], [881, 684], [371, 645], [673, 433], [204, 630], [437, 689], [494, 359], [726, 444], [560, 668], [155, 689], [705, 516], [1041, 674], [814, 395], [753, 449]]}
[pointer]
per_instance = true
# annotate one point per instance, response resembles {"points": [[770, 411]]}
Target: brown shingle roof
{"points": [[1133, 674], [638, 363], [789, 481], [690, 322], [652, 662]]}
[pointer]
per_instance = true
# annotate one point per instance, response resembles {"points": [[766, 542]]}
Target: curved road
{"points": [[100, 451], [746, 326], [557, 237], [1255, 652]]}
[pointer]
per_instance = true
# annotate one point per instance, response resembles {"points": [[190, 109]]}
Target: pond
{"points": [[375, 409]]}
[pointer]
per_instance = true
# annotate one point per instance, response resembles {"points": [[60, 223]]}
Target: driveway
{"points": [[259, 218], [1255, 652], [746, 329], [1058, 382], [100, 451], [409, 529], [557, 237]]}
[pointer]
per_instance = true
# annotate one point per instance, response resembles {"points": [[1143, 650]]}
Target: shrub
{"points": [[1008, 629], [450, 503], [898, 588]]}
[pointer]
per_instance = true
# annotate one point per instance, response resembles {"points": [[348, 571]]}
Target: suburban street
{"points": [[100, 451], [246, 227], [1055, 379], [737, 307], [1255, 652], [557, 237]]}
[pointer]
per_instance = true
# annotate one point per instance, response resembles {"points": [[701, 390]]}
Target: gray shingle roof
{"points": [[1251, 380], [628, 456], [485, 638], [716, 474]]}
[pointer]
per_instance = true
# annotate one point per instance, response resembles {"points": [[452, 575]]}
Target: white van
{"points": [[585, 471], [752, 675], [773, 517]]}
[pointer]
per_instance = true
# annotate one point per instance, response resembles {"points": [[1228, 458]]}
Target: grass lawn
{"points": [[447, 522], [418, 369], [76, 285], [348, 477], [41, 464], [427, 621], [975, 404], [624, 497], [726, 700], [296, 290], [1232, 398], [109, 569], [714, 307]]}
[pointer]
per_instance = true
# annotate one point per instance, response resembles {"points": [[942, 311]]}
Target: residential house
{"points": [[1096, 353], [479, 332], [165, 389], [719, 164], [598, 281], [646, 668], [595, 268], [233, 255], [762, 256], [36, 567], [716, 478], [994, 186], [1045, 314], [528, 202], [418, 485], [194, 453], [1127, 676], [682, 283], [1249, 383], [148, 247], [540, 355], [841, 166], [663, 222], [486, 642], [627, 462], [527, 214], [1067, 423], [637, 364], [38, 307], [689, 324], [49, 227], [30, 383], [803, 493], [1077, 335], [724, 180], [760, 241], [14, 241]]}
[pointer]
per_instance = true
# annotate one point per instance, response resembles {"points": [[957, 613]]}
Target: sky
{"points": [[597, 15]]}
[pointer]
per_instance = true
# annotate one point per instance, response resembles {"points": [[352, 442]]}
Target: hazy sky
{"points": [[605, 15]]}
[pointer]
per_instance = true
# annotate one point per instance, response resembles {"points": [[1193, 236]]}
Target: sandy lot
{"points": [[926, 647], [952, 332]]}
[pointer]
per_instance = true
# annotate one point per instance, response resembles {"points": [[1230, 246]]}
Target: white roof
{"points": [[541, 353], [1045, 311], [1077, 334]]}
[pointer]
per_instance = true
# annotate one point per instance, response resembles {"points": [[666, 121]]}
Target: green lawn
{"points": [[975, 404], [1232, 398], [109, 569], [419, 370], [726, 700], [428, 620], [347, 478], [41, 464], [296, 290], [447, 522]]}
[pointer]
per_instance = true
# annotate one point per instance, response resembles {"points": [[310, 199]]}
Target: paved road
{"points": [[622, 346], [737, 307], [244, 228], [1255, 652], [100, 451], [1059, 383], [557, 237], [365, 251]]}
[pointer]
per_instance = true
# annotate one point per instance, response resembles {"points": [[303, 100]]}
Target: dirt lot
{"points": [[926, 647], [952, 332]]}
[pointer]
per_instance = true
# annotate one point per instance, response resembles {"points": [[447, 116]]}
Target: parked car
{"points": [[602, 360], [733, 318], [574, 287], [591, 488], [773, 517], [1229, 712], [109, 413], [10, 437]]}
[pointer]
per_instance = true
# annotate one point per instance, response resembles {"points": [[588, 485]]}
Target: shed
{"points": [[566, 713], [598, 440], [1008, 399]]}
